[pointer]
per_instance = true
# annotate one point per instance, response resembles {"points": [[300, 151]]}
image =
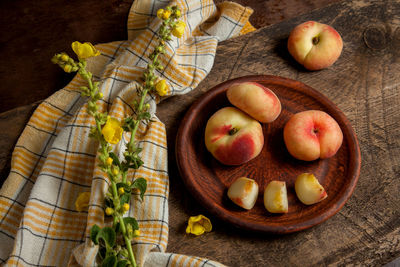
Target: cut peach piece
{"points": [[275, 197], [308, 189], [243, 192]]}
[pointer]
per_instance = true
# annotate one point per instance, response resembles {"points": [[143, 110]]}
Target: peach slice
{"points": [[275, 197], [308, 189], [243, 192]]}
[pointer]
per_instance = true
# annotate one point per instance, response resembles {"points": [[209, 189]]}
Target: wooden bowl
{"points": [[208, 180]]}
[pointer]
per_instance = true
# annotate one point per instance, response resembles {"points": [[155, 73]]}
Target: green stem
{"points": [[133, 133], [127, 241], [124, 174]]}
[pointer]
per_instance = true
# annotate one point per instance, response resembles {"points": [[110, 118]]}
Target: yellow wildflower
{"points": [[112, 130], [125, 207], [121, 191], [162, 88], [84, 50], [160, 13], [82, 201], [109, 211], [179, 29], [178, 13], [198, 225], [166, 14]]}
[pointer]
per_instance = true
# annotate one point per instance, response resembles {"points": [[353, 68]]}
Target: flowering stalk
{"points": [[108, 131]]}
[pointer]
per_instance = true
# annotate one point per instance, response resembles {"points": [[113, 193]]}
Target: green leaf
{"points": [[102, 253], [141, 184], [125, 186], [125, 198], [110, 261], [93, 233], [122, 263], [131, 221], [115, 159], [108, 235], [108, 202], [136, 163]]}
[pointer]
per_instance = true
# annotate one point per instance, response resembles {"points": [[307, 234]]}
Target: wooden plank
{"points": [[364, 83], [33, 31]]}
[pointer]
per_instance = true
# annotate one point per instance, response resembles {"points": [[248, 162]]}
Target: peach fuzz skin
{"points": [[256, 100], [233, 137], [312, 134], [315, 56]]}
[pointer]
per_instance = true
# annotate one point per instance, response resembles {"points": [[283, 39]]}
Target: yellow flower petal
{"points": [[82, 201], [112, 131], [179, 29], [198, 225], [84, 50], [160, 13], [166, 14]]}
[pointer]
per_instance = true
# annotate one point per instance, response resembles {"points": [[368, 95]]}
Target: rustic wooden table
{"points": [[364, 83]]}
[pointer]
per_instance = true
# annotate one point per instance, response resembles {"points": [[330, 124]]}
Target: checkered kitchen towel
{"points": [[54, 159]]}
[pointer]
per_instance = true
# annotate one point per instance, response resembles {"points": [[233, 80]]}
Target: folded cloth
{"points": [[54, 160]]}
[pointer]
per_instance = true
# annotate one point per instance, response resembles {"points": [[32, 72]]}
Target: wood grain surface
{"points": [[33, 31], [208, 180], [363, 83]]}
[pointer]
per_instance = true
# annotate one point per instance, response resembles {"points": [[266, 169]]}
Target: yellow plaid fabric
{"points": [[55, 160]]}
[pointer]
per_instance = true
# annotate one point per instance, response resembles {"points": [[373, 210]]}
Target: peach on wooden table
{"points": [[308, 189], [275, 197], [258, 101], [243, 192], [315, 45], [233, 137], [312, 134]]}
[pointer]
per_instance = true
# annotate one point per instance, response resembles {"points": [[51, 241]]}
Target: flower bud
{"points": [[64, 57], [68, 68], [136, 233], [115, 171], [109, 211], [160, 49], [121, 191], [101, 95], [178, 13], [162, 87], [125, 207], [109, 161]]}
